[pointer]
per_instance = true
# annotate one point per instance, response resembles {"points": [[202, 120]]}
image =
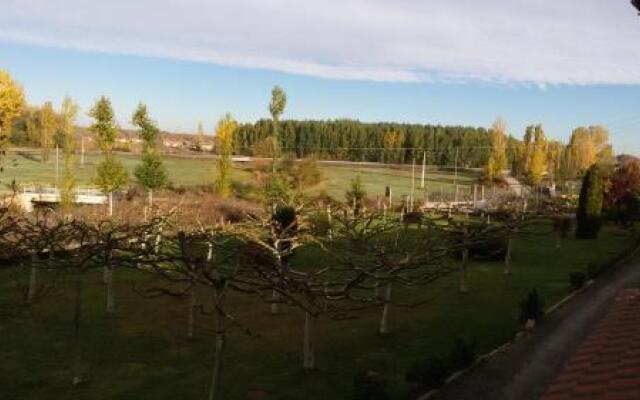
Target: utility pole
{"points": [[413, 181], [424, 165], [455, 167], [57, 164], [82, 151]]}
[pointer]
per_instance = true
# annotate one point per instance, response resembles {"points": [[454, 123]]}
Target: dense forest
{"points": [[377, 142]]}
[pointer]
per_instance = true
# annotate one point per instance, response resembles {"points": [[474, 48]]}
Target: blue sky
{"points": [[540, 65]]}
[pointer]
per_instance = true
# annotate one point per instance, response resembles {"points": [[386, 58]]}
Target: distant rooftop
{"points": [[607, 365]]}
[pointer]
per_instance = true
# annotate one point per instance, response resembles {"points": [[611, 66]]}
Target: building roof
{"points": [[607, 365]]}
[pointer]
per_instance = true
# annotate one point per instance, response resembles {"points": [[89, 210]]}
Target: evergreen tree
{"points": [[151, 172], [589, 212], [356, 194], [111, 174]]}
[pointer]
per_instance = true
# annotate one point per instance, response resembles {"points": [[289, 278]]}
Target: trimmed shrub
{"points": [[589, 215], [577, 280], [593, 270], [531, 307], [494, 249], [428, 374], [369, 386], [462, 355]]}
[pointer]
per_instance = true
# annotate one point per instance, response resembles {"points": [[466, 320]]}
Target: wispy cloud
{"points": [[542, 42]]}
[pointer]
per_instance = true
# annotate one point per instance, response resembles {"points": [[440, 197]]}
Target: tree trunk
{"points": [[156, 248], [76, 331], [384, 319], [309, 359], [463, 271], [192, 307], [220, 343], [274, 305], [507, 258], [110, 204], [109, 292], [150, 198], [33, 281]]}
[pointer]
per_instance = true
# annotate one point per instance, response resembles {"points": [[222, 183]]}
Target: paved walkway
{"points": [[527, 368]]}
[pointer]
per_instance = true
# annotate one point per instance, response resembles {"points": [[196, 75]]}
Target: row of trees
{"points": [[47, 127], [536, 157], [377, 142], [612, 194], [366, 262]]}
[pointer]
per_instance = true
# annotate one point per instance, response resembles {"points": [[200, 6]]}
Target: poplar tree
{"points": [[110, 173], [276, 108], [49, 123], [151, 172], [497, 161], [536, 154], [11, 104], [199, 139], [68, 115], [225, 131]]}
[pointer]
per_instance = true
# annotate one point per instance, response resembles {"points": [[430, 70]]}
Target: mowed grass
{"points": [[24, 166], [142, 352]]}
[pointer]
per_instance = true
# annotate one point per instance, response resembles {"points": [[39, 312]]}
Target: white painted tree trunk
{"points": [[33, 280], [463, 271], [150, 198], [309, 359], [220, 344], [507, 258], [110, 204], [156, 247], [383, 329]]}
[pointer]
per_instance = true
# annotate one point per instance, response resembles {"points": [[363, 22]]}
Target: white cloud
{"points": [[535, 42]]}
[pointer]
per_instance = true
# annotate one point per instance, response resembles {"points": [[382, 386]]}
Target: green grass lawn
{"points": [[142, 352], [24, 166]]}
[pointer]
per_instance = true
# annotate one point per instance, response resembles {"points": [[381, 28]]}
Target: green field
{"points": [[24, 167], [142, 352]]}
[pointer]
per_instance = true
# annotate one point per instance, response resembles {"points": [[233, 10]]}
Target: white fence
{"points": [[29, 195]]}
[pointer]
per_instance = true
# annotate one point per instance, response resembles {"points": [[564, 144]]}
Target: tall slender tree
{"points": [[151, 172], [111, 174], [497, 162], [68, 115], [276, 108], [536, 154], [199, 139], [49, 123], [11, 104], [589, 212], [225, 131]]}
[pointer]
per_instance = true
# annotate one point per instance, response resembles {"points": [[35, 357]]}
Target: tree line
{"points": [[373, 142]]}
